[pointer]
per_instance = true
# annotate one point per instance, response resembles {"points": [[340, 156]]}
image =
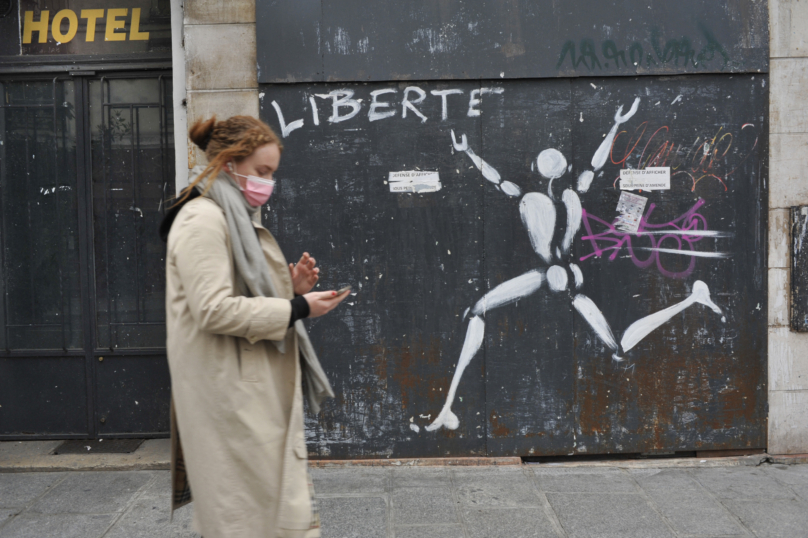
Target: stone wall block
{"points": [[202, 105], [788, 422], [788, 170], [218, 12], [788, 359], [788, 20], [779, 225], [778, 297], [788, 95], [220, 56]]}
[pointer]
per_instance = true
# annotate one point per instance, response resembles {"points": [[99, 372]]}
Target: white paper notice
{"points": [[414, 182], [647, 179], [631, 207]]}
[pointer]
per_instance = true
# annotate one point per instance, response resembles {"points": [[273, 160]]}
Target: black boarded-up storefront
{"points": [[86, 166], [459, 164]]}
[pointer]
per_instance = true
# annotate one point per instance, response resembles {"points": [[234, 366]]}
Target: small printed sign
{"points": [[647, 179], [630, 208], [414, 182]]}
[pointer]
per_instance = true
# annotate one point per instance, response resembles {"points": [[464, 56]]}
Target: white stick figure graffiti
{"points": [[539, 215]]}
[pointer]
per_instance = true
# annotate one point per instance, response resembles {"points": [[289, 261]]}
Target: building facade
{"points": [[554, 223]]}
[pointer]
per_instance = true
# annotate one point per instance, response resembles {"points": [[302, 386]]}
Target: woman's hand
{"points": [[323, 302], [304, 274]]}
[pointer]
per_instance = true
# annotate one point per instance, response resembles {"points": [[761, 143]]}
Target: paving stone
{"points": [[795, 476], [421, 477], [423, 505], [472, 476], [61, 526], [159, 488], [741, 483], [350, 480], [92, 492], [584, 480], [497, 495], [151, 517], [772, 519], [612, 515], [496, 486], [6, 514], [508, 523], [689, 508], [19, 489], [353, 517], [430, 531]]}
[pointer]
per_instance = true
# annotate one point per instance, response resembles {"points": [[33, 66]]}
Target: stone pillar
{"points": [[220, 67], [788, 186]]}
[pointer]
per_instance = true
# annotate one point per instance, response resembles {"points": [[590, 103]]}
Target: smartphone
{"points": [[343, 290]]}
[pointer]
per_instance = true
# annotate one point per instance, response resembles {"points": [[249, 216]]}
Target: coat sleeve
{"points": [[202, 258]]}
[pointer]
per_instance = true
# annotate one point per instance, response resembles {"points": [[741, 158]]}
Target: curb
{"points": [[418, 462], [154, 455], [788, 459]]}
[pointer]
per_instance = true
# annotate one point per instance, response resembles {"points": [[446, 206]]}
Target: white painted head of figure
{"points": [[551, 163]]}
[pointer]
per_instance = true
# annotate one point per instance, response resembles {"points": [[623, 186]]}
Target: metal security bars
{"points": [[40, 270], [132, 170], [86, 168]]}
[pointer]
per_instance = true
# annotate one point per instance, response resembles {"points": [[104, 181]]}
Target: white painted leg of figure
{"points": [[474, 339], [595, 318], [506, 293], [643, 327]]}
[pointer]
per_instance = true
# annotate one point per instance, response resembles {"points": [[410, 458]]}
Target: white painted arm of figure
{"points": [[599, 159], [488, 171]]}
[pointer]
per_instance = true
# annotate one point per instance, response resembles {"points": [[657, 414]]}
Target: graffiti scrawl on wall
{"points": [[508, 300]]}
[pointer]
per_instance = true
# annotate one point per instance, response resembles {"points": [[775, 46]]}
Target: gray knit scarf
{"points": [[252, 274]]}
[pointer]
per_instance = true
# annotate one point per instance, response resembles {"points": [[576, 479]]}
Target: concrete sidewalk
{"points": [[517, 501]]}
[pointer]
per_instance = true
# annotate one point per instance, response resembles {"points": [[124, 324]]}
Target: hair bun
{"points": [[203, 144], [201, 132]]}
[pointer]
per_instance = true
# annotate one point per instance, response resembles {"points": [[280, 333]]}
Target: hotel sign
{"points": [[97, 28]]}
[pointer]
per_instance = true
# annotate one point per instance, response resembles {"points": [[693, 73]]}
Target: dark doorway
{"points": [[86, 168]]}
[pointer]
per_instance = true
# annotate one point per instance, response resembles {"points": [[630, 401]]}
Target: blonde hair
{"points": [[230, 140]]}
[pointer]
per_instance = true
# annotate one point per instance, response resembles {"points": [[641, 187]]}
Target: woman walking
{"points": [[237, 349]]}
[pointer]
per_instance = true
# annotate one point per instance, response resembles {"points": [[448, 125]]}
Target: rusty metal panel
{"points": [[698, 381], [356, 40], [562, 333], [530, 367], [413, 260]]}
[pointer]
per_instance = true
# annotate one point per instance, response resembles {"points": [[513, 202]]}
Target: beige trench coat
{"points": [[237, 402]]}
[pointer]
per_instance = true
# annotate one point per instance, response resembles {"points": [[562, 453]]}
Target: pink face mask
{"points": [[256, 190]]}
